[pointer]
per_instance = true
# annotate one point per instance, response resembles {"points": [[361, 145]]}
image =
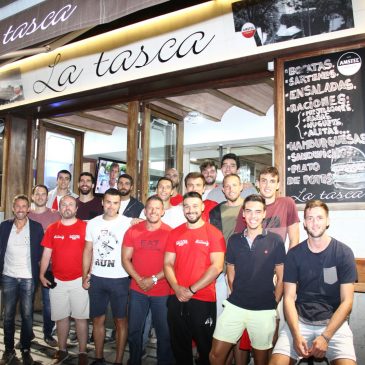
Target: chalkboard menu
{"points": [[325, 127]]}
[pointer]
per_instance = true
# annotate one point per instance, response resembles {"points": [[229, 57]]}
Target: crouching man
{"points": [[319, 278]]}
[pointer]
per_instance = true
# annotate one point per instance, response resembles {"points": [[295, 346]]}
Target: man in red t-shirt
{"points": [[193, 259], [142, 257], [194, 181], [64, 243]]}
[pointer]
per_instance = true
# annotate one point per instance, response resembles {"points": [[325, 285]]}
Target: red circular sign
{"points": [[248, 30]]}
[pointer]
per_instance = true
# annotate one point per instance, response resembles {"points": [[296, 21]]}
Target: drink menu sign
{"points": [[325, 127]]}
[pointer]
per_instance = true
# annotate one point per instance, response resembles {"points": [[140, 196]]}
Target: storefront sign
{"points": [[127, 54]]}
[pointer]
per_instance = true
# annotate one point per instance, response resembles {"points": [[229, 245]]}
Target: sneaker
{"points": [[83, 359], [27, 358], [7, 357], [98, 362], [59, 357], [50, 341]]}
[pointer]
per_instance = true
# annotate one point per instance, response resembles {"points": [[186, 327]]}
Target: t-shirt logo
{"points": [[150, 244], [202, 242], [181, 243], [74, 237], [58, 236]]}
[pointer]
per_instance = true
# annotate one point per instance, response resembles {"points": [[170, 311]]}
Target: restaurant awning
{"points": [[54, 18]]}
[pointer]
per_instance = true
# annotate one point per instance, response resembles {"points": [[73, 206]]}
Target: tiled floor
{"points": [[42, 353]]}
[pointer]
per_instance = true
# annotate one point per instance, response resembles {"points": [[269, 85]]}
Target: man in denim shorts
{"points": [[319, 278], [109, 282]]}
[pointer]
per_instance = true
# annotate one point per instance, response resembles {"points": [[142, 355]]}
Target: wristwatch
{"points": [[154, 279]]}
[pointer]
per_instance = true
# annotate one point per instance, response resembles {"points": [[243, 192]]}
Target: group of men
{"points": [[208, 270]]}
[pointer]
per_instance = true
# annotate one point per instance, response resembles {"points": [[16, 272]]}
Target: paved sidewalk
{"points": [[42, 353]]}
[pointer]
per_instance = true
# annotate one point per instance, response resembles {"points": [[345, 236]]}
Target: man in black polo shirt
{"points": [[253, 257]]}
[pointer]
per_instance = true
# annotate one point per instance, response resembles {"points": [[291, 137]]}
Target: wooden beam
{"points": [[235, 102], [91, 128], [132, 142], [176, 105], [100, 119]]}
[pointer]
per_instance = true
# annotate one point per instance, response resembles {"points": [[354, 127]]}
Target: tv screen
{"points": [[107, 173]]}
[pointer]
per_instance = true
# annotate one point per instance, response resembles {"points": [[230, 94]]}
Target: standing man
{"points": [[143, 256], [253, 258], [194, 181], [193, 259], [224, 217], [230, 164], [64, 243], [45, 216], [319, 281], [104, 275], [281, 218], [174, 215], [20, 252], [173, 175], [209, 170], [129, 207], [281, 212], [88, 205], [62, 189]]}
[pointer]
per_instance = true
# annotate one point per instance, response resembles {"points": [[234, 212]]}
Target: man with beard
{"points": [[224, 217], [45, 216], [104, 276], [173, 175], [193, 259], [62, 189], [253, 258], [88, 205], [20, 251], [129, 206], [209, 170], [142, 256], [64, 243], [319, 278]]}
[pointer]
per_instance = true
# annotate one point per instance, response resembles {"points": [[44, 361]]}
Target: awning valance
{"points": [[53, 18]]}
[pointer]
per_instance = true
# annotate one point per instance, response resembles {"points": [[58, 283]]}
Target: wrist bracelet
{"points": [[194, 292], [325, 337]]}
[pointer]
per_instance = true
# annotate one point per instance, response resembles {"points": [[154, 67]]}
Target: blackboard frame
{"points": [[280, 119]]}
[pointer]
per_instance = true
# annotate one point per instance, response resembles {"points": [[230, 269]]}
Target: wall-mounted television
{"points": [[107, 173]]}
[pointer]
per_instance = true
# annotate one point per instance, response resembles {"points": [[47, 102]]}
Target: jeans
{"points": [[15, 290], [139, 305], [48, 324]]}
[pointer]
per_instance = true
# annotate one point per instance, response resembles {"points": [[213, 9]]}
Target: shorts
{"points": [[105, 290], [341, 345], [69, 298], [260, 325]]}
